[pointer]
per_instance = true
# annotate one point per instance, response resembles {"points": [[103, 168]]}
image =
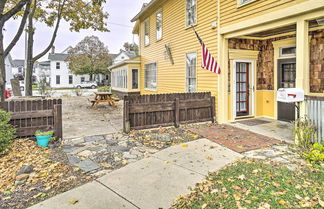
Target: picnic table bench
{"points": [[103, 97]]}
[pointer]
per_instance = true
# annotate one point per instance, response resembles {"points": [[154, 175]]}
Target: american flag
{"points": [[208, 62]]}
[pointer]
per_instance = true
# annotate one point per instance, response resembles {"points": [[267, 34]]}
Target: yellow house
{"points": [[261, 46]]}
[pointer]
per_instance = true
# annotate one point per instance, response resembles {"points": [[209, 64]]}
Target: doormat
{"points": [[253, 122], [236, 139]]}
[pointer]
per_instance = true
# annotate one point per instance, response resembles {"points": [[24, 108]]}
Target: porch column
{"points": [[222, 100], [302, 58]]}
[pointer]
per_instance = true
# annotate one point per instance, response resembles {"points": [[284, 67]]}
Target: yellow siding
{"points": [[265, 103], [231, 13], [182, 40]]}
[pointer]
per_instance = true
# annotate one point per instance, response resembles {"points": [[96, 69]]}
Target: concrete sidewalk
{"points": [[153, 182]]}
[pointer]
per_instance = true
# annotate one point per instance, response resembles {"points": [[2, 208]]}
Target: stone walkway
{"points": [[278, 153], [104, 153], [150, 183]]}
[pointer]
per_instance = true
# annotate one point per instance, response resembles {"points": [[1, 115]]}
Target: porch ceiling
{"points": [[281, 30]]}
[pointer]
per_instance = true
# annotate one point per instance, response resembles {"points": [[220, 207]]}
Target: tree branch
{"points": [[2, 6], [59, 17], [20, 29], [15, 10]]}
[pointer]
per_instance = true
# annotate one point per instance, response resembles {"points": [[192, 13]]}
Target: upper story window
{"points": [[150, 76], [159, 26], [147, 32], [20, 69], [191, 12], [243, 2], [58, 65]]}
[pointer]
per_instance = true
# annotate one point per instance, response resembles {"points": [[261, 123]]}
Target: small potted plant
{"points": [[43, 137]]}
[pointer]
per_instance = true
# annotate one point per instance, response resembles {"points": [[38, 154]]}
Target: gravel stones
{"points": [[26, 169]]}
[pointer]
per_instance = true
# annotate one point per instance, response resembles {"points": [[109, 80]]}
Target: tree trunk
{"points": [[2, 68], [30, 61], [91, 77]]}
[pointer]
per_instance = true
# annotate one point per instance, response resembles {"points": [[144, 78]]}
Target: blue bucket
{"points": [[43, 140]]}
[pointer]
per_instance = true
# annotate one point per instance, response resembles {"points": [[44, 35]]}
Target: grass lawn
{"points": [[257, 184]]}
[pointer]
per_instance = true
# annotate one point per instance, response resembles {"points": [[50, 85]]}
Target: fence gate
{"points": [[30, 115], [149, 111], [315, 112]]}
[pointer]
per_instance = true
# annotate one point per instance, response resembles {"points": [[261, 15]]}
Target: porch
{"points": [[259, 59], [276, 129]]}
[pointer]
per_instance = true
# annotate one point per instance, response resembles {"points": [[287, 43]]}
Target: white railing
{"points": [[315, 112]]}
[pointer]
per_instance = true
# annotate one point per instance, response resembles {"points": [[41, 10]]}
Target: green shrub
{"points": [[304, 132], [316, 154], [104, 89], [7, 132]]}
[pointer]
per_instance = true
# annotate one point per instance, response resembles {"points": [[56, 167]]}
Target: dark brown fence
{"points": [[149, 111], [28, 116]]}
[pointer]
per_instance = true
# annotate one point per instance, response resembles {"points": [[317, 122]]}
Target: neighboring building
{"points": [[18, 68], [43, 71], [261, 45], [123, 55], [8, 67]]}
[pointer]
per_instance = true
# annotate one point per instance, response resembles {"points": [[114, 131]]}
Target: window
{"points": [[147, 32], [58, 79], [134, 79], [191, 71], [70, 79], [58, 65], [82, 79], [150, 76], [243, 2], [159, 26], [191, 9], [288, 51], [20, 70], [119, 79]]}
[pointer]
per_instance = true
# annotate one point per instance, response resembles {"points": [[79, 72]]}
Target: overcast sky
{"points": [[120, 14]]}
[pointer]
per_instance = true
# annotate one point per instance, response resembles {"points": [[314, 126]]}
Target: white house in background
{"points": [[43, 71], [8, 67], [18, 67], [124, 55]]}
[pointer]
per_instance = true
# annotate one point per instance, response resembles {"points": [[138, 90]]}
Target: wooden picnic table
{"points": [[102, 97]]}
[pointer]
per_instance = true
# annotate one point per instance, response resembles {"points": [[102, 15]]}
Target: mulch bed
{"points": [[236, 139], [50, 175]]}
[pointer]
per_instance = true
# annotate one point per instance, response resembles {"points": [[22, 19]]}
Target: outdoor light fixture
{"points": [[320, 21]]}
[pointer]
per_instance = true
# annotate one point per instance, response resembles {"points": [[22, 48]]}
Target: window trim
{"points": [[147, 20], [241, 4], [287, 55], [114, 78], [186, 75], [58, 83], [70, 76], [156, 38], [58, 64], [186, 16], [156, 76], [138, 83]]}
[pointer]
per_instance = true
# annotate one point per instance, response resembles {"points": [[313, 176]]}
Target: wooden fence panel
{"points": [[30, 115], [149, 111], [315, 112]]}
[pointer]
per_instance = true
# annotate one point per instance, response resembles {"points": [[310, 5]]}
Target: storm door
{"points": [[286, 79], [242, 89]]}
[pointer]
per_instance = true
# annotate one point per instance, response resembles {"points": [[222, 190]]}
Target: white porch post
{"points": [[302, 59], [222, 99]]}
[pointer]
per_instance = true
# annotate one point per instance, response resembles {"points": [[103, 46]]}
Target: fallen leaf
{"points": [[166, 162], [241, 177], [282, 202], [184, 145], [320, 202], [237, 196], [204, 206], [209, 158], [264, 205], [73, 202]]}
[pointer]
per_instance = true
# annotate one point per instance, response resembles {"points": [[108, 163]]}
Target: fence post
{"points": [[58, 121], [126, 123], [213, 109], [177, 113]]}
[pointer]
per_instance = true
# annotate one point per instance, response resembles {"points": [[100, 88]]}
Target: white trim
{"points": [[186, 72], [124, 63], [186, 25], [156, 38], [149, 31], [156, 75], [252, 80]]}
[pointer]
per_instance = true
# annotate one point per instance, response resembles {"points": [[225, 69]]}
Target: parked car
{"points": [[87, 84]]}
